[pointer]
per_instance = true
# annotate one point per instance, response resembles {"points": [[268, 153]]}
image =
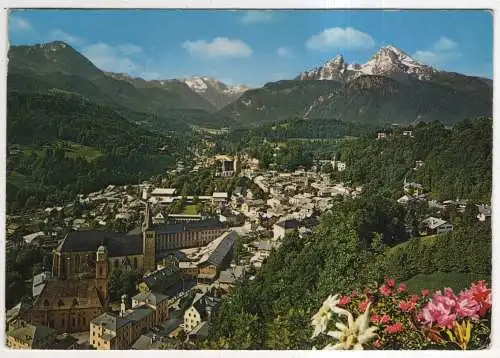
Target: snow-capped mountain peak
{"points": [[388, 60], [215, 91]]}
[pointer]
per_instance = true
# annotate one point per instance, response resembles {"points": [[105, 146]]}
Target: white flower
{"points": [[355, 334], [320, 320]]}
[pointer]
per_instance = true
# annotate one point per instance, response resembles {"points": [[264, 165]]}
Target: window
{"points": [[100, 270], [135, 262], [73, 322], [62, 322]]}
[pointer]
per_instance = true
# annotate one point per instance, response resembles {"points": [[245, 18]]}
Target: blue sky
{"points": [[255, 47]]}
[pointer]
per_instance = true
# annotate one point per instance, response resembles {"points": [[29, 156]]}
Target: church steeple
{"points": [[148, 219]]}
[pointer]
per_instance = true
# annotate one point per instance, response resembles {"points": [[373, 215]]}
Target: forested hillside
{"points": [[457, 161], [61, 145], [351, 248], [362, 241]]}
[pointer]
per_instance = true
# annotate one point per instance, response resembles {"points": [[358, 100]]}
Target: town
{"points": [[189, 260]]}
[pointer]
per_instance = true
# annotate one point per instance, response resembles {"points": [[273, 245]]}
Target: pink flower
{"points": [[420, 317], [377, 344], [414, 298], [394, 328], [402, 287], [441, 309], [385, 319], [482, 295], [425, 292], [406, 306], [467, 306], [362, 305], [354, 293], [375, 318], [390, 282], [344, 300], [385, 290]]}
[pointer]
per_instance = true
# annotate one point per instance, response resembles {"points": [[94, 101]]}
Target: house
{"points": [[19, 315], [188, 269], [109, 331], [484, 212], [209, 266], [31, 237], [341, 166], [201, 309], [229, 276], [282, 228], [161, 280], [159, 218], [31, 337], [39, 281], [408, 133], [200, 332], [163, 192], [436, 226], [381, 135], [149, 340], [219, 198], [405, 199]]}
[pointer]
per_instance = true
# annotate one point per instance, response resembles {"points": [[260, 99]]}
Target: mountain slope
{"points": [[279, 100], [56, 65], [390, 88]]}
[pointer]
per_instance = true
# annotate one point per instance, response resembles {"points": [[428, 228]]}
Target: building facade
{"points": [[67, 302]]}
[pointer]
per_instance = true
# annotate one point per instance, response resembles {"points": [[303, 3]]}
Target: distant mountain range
{"points": [[391, 87]]}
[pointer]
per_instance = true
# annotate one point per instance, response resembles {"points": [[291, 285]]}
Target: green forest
{"points": [[356, 244], [60, 145], [362, 241]]}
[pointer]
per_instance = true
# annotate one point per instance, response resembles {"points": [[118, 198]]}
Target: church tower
{"points": [[148, 241], [102, 274]]}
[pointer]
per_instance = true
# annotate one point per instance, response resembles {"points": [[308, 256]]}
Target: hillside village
{"points": [[283, 202]]}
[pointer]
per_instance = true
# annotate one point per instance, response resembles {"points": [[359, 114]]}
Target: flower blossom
{"points": [[385, 319], [482, 295], [414, 298], [375, 318], [390, 282], [394, 328], [344, 300], [467, 306], [407, 306], [320, 320], [355, 333], [363, 305], [385, 290], [402, 287], [425, 292], [441, 309]]}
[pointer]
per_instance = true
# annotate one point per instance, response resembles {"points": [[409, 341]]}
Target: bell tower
{"points": [[148, 241], [102, 273]]}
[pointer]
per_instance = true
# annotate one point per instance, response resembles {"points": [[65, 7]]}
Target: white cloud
{"points": [[110, 58], [445, 44], [17, 23], [253, 17], [284, 52], [218, 47], [60, 35], [340, 38], [129, 49], [440, 52]]}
